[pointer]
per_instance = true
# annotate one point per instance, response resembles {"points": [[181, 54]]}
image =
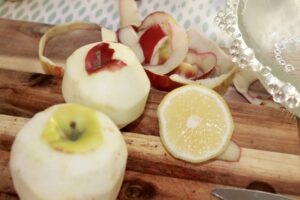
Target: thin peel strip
{"points": [[242, 81], [129, 13], [219, 83], [201, 45], [201, 61], [177, 33], [207, 45], [48, 65], [128, 32]]}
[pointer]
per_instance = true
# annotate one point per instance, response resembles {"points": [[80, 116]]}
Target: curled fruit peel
{"points": [[173, 32], [149, 40], [48, 65], [242, 82], [178, 53], [219, 83]]}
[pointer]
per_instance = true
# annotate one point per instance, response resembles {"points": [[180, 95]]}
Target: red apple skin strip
{"points": [[48, 65], [179, 51], [162, 82], [129, 13], [156, 59], [176, 33], [100, 58], [150, 39]]}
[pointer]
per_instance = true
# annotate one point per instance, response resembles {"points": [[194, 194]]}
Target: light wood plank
{"points": [[24, 94], [147, 155], [138, 185]]}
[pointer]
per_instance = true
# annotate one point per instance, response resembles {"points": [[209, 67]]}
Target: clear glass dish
{"points": [[266, 39]]}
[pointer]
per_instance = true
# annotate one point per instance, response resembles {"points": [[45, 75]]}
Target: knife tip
{"points": [[215, 192]]}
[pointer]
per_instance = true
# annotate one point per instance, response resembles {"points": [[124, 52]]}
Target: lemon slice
{"points": [[195, 123]]}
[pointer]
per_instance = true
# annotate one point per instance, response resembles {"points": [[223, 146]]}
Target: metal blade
{"points": [[243, 194]]}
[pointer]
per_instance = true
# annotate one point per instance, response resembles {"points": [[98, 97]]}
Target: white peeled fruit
{"points": [[68, 152], [107, 77]]}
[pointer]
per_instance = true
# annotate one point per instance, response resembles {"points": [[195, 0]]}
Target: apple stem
{"points": [[75, 134]]}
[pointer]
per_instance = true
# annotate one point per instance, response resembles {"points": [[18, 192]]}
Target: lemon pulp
{"points": [[195, 123]]}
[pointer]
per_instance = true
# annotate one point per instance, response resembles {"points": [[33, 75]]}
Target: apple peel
{"points": [[108, 35], [205, 62], [162, 82], [155, 58], [231, 154], [199, 43], [129, 13], [242, 82], [179, 51], [48, 65], [154, 18], [222, 74], [219, 83], [100, 58], [171, 81], [151, 41], [129, 37]]}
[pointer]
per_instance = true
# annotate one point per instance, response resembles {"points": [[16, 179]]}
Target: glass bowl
{"points": [[266, 39]]}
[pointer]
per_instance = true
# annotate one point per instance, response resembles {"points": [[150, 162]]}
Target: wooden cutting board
{"points": [[268, 136]]}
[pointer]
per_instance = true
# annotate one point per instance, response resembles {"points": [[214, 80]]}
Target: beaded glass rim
{"points": [[282, 92]]}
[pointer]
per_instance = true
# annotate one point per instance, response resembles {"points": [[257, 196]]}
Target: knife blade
{"points": [[244, 194]]}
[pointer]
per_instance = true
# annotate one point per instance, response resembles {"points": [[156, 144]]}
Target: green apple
{"points": [[68, 152], [107, 77]]}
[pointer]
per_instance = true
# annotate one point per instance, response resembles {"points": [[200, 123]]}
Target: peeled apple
{"points": [[68, 152], [107, 77]]}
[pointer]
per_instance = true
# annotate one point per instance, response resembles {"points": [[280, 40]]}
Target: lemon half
{"points": [[195, 123]]}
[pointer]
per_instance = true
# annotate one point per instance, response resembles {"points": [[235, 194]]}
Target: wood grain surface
{"points": [[268, 136], [147, 155], [24, 94], [141, 186]]}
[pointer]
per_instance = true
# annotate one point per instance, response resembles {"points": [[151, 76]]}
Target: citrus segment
{"points": [[195, 123]]}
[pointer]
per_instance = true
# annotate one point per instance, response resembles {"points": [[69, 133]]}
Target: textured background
{"points": [[197, 14]]}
